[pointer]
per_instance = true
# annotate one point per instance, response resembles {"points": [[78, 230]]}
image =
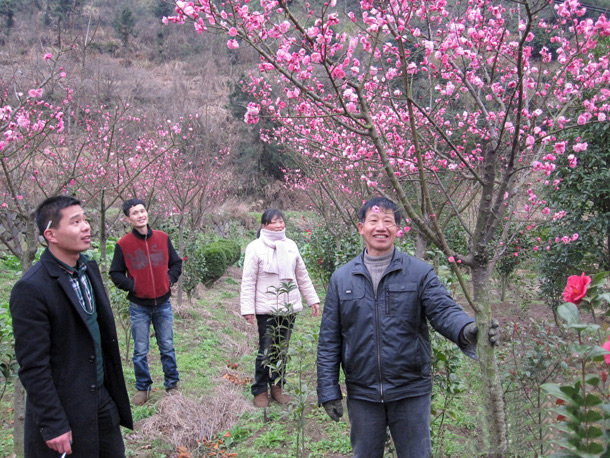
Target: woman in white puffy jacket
{"points": [[272, 264]]}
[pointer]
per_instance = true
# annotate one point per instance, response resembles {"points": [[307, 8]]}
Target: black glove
{"points": [[334, 409], [469, 334]]}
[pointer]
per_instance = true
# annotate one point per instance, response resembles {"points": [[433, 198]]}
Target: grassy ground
{"points": [[213, 414]]}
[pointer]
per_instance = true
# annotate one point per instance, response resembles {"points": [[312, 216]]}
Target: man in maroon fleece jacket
{"points": [[146, 265]]}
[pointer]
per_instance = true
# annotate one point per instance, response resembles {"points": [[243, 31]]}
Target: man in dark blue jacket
{"points": [[375, 325]]}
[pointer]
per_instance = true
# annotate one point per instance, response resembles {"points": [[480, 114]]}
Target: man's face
{"points": [[379, 231], [138, 217], [73, 234]]}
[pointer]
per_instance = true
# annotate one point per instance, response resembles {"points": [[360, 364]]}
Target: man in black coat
{"points": [[375, 326], [66, 344]]}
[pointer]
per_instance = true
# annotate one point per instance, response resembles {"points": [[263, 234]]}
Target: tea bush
{"points": [[219, 255]]}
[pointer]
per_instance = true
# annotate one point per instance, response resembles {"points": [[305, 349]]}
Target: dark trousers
{"points": [[409, 422], [273, 337], [108, 426]]}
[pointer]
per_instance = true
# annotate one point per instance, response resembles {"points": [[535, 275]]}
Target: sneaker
{"points": [[278, 396], [140, 398], [261, 400]]}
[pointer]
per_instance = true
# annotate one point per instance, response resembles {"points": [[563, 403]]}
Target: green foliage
{"points": [[446, 363], [219, 255], [534, 353], [324, 253], [194, 267], [8, 8], [584, 194], [8, 363], [124, 24], [582, 407], [62, 10], [162, 8], [232, 250], [258, 163]]}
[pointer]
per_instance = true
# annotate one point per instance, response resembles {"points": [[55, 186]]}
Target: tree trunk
{"points": [[103, 254], [28, 255], [181, 253], [18, 418], [420, 246], [495, 412]]}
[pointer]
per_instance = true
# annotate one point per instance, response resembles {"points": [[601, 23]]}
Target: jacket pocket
{"points": [[350, 300], [400, 298]]}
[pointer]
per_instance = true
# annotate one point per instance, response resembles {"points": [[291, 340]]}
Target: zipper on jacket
{"points": [[378, 346], [378, 333], [152, 276], [378, 327]]}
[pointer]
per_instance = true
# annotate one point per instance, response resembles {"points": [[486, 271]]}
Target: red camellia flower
{"points": [[576, 288], [606, 346]]}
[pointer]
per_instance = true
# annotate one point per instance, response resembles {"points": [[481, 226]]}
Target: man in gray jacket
{"points": [[375, 325]]}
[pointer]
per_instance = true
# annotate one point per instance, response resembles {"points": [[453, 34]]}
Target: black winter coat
{"points": [[382, 342], [56, 354]]}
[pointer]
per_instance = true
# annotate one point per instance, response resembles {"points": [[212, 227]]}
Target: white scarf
{"points": [[277, 261]]}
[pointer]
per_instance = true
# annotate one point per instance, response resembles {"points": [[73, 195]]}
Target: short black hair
{"points": [[268, 216], [132, 203], [384, 204], [48, 213]]}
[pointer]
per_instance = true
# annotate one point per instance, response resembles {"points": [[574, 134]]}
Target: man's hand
{"points": [[250, 318], [471, 331], [334, 409], [315, 310], [61, 444]]}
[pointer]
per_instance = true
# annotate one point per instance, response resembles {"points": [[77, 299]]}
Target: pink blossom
{"points": [[574, 237], [578, 147], [606, 346], [251, 116], [560, 147], [48, 56], [232, 31], [375, 209], [407, 229], [23, 121], [338, 73], [232, 44], [572, 160], [399, 233], [35, 93], [451, 259]]}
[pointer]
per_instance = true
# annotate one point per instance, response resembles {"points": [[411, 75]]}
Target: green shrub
{"points": [[219, 255], [232, 250], [194, 266]]}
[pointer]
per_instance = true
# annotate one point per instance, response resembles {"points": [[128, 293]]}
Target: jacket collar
{"points": [[395, 264], [140, 236], [62, 275]]}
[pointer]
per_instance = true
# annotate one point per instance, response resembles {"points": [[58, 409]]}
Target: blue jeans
{"points": [[409, 422], [162, 319]]}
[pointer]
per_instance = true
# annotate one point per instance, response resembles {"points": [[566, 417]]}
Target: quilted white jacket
{"points": [[257, 287]]}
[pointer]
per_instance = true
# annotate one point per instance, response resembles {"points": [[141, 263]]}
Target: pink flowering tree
{"points": [[189, 183], [114, 151], [458, 111], [29, 125]]}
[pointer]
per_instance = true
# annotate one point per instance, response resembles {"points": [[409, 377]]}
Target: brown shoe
{"points": [[140, 398], [261, 400], [278, 396], [172, 390]]}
